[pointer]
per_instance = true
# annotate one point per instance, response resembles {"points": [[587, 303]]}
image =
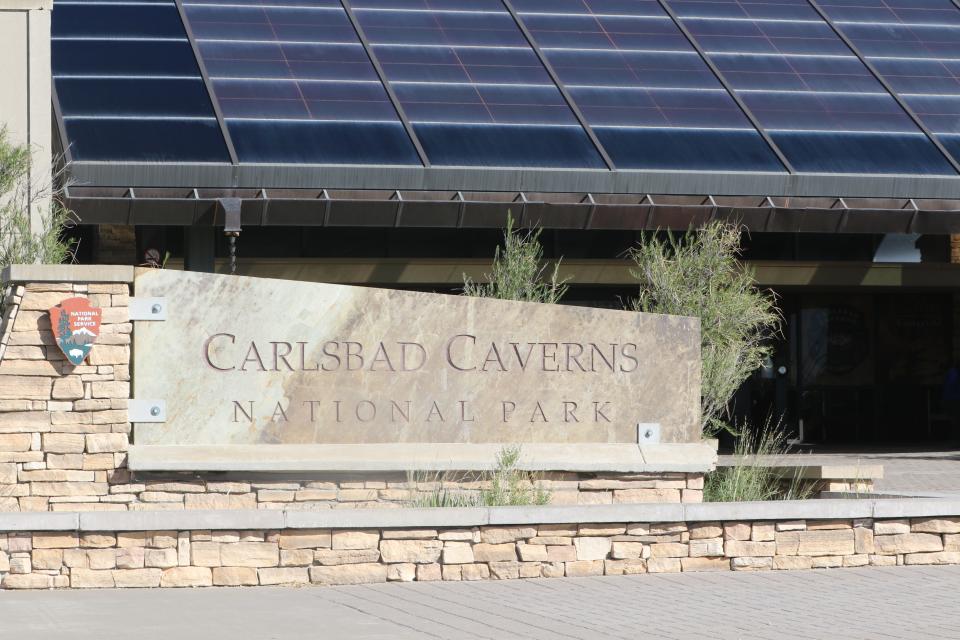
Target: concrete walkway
{"points": [[869, 603]]}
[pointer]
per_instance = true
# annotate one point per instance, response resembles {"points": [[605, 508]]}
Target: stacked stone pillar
{"points": [[63, 429]]}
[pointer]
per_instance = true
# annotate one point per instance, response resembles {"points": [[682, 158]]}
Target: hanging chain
{"points": [[233, 252]]}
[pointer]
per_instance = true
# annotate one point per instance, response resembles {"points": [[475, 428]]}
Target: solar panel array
{"points": [[129, 86], [828, 86]]}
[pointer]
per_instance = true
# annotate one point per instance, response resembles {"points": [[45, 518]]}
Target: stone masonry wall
{"points": [[324, 556], [64, 433]]}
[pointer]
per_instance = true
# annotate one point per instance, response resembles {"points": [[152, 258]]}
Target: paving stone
{"points": [[416, 551], [908, 543], [403, 572], [250, 554], [343, 539], [234, 576], [137, 577], [283, 575], [305, 539], [462, 552], [331, 557], [186, 577], [349, 574], [935, 525], [592, 548], [500, 535], [706, 547], [484, 552], [705, 564], [741, 548]]}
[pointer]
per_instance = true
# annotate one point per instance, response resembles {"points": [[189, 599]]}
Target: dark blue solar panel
{"points": [[815, 98], [472, 86], [915, 46], [173, 97], [642, 87], [129, 86], [156, 21], [295, 84]]}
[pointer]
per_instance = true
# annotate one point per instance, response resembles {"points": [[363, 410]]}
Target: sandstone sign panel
{"points": [[250, 360]]}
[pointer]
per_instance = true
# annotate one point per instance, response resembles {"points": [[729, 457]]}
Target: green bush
{"points": [[504, 486], [753, 477], [19, 244], [700, 274], [519, 272]]}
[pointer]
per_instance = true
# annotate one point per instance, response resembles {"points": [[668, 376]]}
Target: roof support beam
{"points": [[726, 85], [563, 89], [386, 83], [209, 85], [879, 77], [61, 129]]}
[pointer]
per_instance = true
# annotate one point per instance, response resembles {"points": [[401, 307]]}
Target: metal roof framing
{"points": [[726, 85], [408, 127], [289, 176], [477, 210], [886, 86], [562, 87], [530, 187], [209, 85], [61, 130]]}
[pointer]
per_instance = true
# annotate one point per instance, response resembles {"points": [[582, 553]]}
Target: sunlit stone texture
{"points": [[247, 360]]}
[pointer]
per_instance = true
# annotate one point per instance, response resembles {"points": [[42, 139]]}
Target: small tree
{"points": [[19, 243], [700, 275], [519, 272]]}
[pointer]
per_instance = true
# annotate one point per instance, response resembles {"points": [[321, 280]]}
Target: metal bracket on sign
{"points": [[148, 308], [147, 410], [648, 433]]}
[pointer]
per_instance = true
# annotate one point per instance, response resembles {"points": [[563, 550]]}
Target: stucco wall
{"points": [[25, 85]]}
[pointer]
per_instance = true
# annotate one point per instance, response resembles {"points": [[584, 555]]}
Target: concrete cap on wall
{"points": [[82, 273]]}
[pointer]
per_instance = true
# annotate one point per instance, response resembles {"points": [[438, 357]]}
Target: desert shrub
{"points": [[19, 244], [519, 272], [504, 486], [700, 274], [753, 476]]}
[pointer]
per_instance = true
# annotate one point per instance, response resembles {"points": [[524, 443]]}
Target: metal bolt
{"points": [[155, 411], [155, 309], [648, 433]]}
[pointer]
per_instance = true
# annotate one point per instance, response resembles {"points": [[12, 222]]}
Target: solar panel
{"points": [[816, 99], [128, 84], [643, 88], [295, 85], [915, 46], [472, 86]]}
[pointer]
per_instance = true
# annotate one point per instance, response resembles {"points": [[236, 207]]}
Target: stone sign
{"points": [[250, 360]]}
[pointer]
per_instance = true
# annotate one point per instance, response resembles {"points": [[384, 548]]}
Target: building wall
{"points": [[25, 98]]}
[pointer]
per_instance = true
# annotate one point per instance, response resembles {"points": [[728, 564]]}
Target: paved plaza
{"points": [[870, 603]]}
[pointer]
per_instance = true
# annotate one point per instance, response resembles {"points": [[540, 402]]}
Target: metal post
{"points": [[199, 245]]}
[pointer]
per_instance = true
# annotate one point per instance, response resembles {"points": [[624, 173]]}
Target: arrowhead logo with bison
{"points": [[76, 325]]}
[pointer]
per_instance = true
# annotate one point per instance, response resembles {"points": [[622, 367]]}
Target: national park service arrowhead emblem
{"points": [[76, 326]]}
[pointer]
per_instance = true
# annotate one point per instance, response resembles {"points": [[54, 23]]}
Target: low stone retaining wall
{"points": [[204, 548], [65, 432]]}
